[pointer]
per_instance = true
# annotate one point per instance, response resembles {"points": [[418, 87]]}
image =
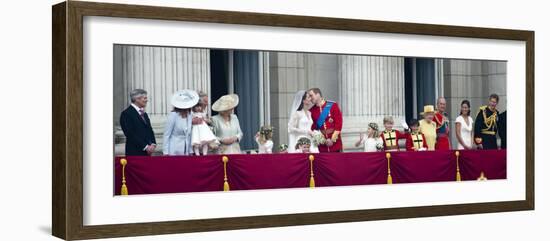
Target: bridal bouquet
{"points": [[318, 138], [283, 148], [379, 146]]}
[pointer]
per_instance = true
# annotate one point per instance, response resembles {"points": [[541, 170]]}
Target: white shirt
{"points": [[137, 108]]}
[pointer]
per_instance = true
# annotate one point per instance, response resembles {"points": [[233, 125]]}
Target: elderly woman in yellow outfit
{"points": [[428, 126]]}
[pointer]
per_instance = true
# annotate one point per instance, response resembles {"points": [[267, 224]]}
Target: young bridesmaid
{"points": [[201, 135], [373, 142], [264, 139], [302, 145]]}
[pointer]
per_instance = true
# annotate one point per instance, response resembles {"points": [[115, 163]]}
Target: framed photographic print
{"points": [[172, 120]]}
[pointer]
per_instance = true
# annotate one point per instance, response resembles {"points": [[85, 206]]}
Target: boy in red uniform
{"points": [[390, 137], [415, 139]]}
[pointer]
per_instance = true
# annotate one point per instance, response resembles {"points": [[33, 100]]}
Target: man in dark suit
{"points": [[135, 123]]}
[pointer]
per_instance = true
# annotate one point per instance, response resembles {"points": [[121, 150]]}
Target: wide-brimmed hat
{"points": [[265, 130], [226, 102], [185, 99], [428, 109]]}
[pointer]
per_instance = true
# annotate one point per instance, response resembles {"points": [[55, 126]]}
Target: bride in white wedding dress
{"points": [[300, 121]]}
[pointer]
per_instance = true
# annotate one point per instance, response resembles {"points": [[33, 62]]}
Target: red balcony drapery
{"points": [[176, 174]]}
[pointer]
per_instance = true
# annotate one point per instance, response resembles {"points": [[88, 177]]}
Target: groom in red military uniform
{"points": [[327, 118]]}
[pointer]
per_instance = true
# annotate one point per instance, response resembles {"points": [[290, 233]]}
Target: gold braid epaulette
{"points": [[489, 121]]}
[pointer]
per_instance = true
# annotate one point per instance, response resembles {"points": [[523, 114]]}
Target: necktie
{"points": [[142, 114]]}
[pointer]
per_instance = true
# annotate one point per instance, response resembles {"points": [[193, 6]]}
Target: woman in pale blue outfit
{"points": [[177, 131], [226, 125]]}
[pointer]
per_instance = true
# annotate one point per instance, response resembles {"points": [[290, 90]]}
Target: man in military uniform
{"points": [[442, 123], [486, 125], [327, 118]]}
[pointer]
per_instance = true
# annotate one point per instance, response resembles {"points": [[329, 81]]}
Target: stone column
{"points": [[160, 71], [371, 87]]}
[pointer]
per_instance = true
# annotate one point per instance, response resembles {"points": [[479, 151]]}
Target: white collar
{"points": [[136, 107]]}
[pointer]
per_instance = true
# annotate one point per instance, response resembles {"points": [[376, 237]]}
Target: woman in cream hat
{"points": [[177, 130], [428, 127], [226, 124]]}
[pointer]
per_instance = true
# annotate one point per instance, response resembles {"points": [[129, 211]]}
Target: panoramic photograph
{"points": [[199, 119]]}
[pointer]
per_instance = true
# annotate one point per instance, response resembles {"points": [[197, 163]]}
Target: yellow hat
{"points": [[428, 109]]}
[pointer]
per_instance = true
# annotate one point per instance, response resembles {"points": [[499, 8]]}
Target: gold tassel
{"points": [[311, 179], [225, 186], [123, 189], [225, 182], [390, 180], [458, 177], [482, 177]]}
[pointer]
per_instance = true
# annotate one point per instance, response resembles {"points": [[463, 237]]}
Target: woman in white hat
{"points": [[226, 124], [428, 127], [177, 131]]}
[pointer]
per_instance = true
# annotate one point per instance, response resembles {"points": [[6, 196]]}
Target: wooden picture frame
{"points": [[67, 150]]}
